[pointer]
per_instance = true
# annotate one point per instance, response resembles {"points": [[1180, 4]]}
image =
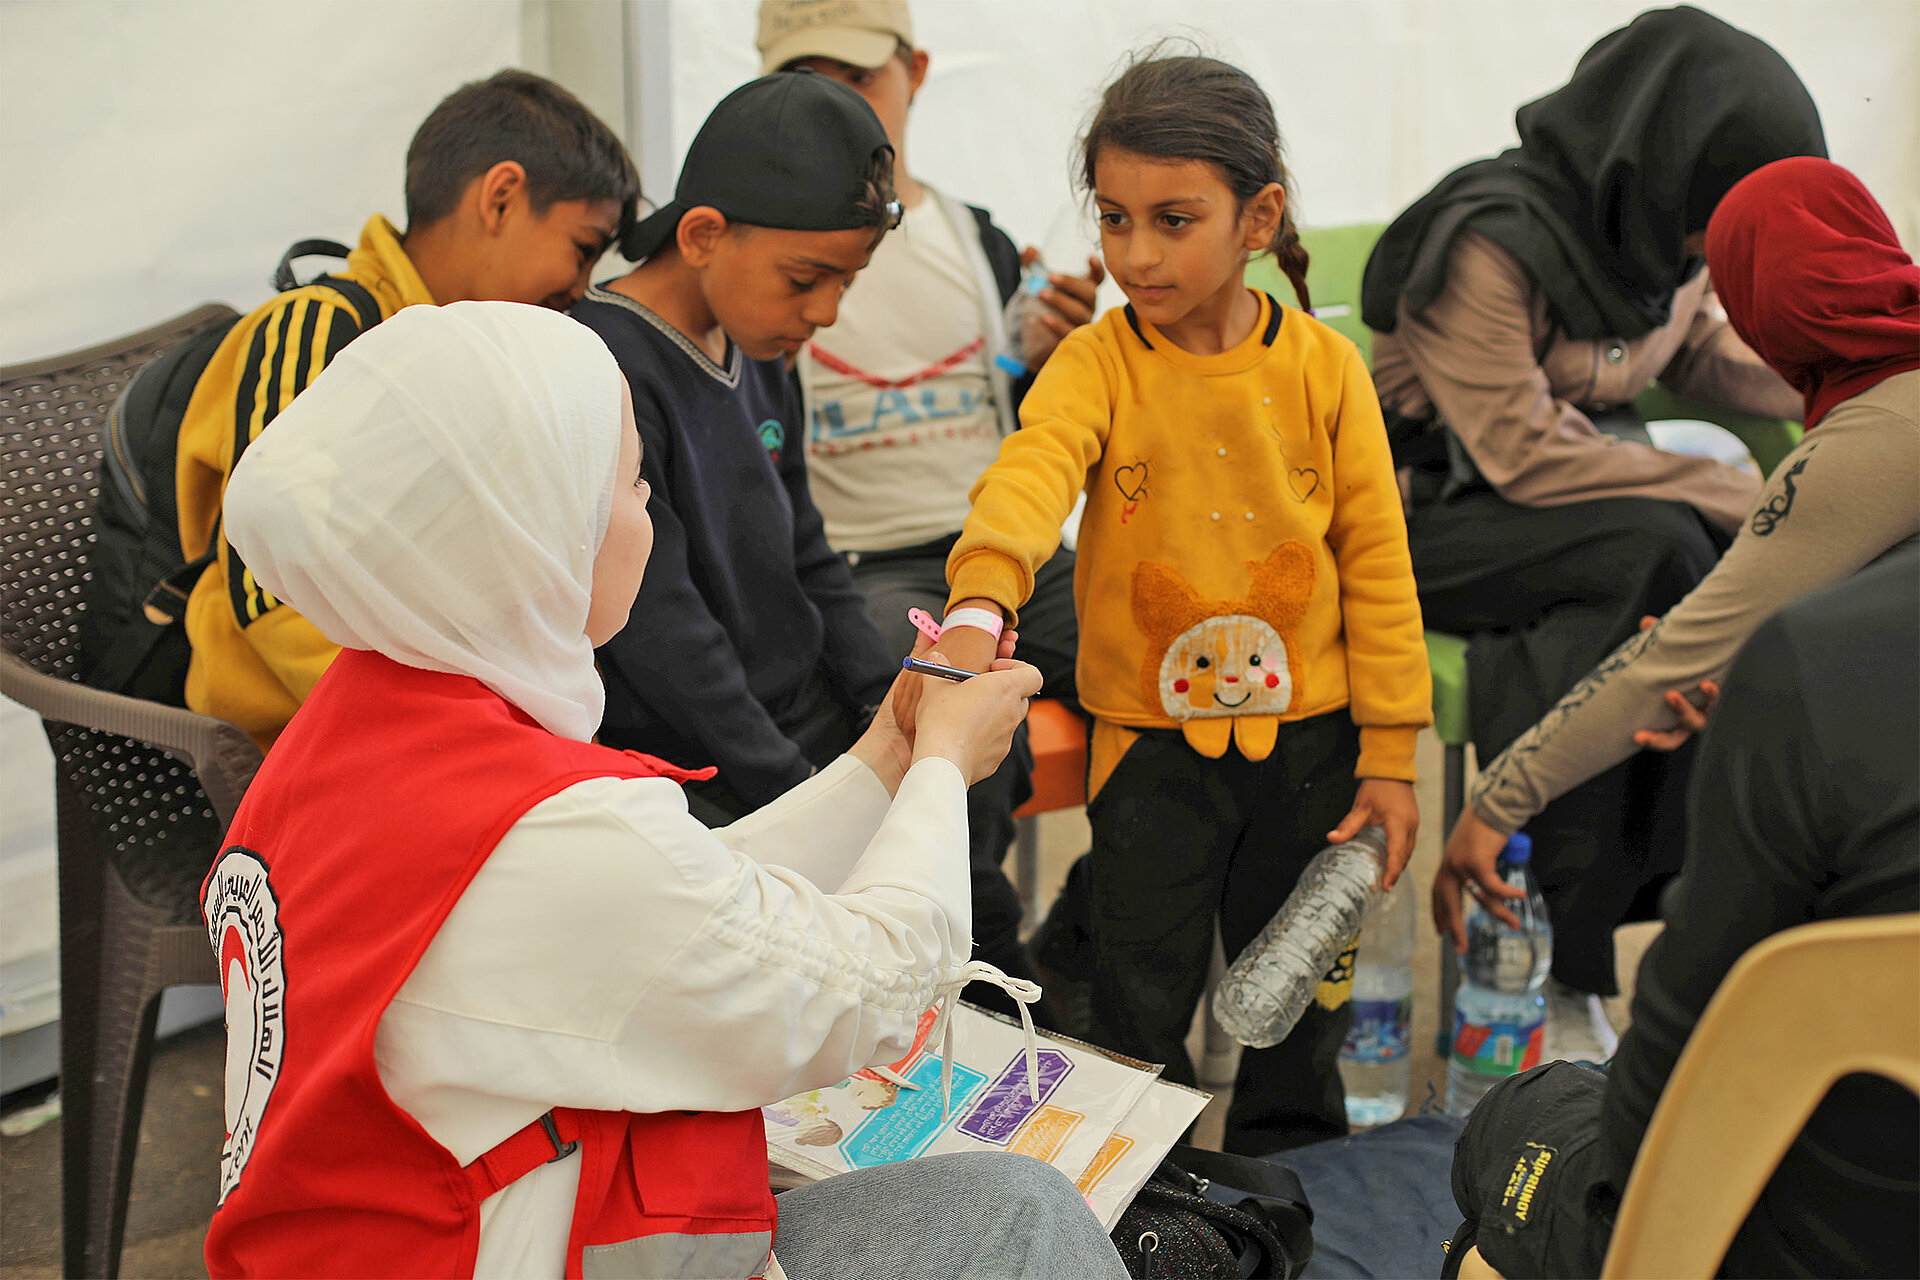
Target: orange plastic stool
{"points": [[1058, 737]]}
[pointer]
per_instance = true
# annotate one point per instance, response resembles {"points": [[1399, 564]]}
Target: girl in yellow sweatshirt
{"points": [[1250, 639]]}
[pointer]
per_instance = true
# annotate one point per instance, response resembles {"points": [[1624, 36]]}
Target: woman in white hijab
{"points": [[497, 1005]]}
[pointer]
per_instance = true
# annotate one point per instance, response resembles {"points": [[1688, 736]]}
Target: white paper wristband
{"points": [[985, 619]]}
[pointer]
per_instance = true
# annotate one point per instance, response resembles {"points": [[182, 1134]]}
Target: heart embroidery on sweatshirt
{"points": [[1303, 481], [1131, 481]]}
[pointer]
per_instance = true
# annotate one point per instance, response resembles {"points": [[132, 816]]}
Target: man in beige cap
{"points": [[906, 405], [860, 33]]}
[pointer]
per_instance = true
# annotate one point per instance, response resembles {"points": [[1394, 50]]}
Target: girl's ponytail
{"points": [[1186, 107], [1292, 256]]}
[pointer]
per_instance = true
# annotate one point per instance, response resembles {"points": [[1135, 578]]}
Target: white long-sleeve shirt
{"points": [[615, 954]]}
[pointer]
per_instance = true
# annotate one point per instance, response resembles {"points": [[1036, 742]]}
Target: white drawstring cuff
{"points": [[1023, 992]]}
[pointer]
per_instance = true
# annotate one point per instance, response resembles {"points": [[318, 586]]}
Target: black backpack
{"points": [[133, 634]]}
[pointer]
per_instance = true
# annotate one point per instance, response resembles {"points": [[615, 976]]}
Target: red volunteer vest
{"points": [[375, 809]]}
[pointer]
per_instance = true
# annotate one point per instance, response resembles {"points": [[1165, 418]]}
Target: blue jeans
{"points": [[986, 1214]]}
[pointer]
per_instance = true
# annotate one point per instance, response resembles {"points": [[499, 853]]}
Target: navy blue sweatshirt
{"points": [[743, 599]]}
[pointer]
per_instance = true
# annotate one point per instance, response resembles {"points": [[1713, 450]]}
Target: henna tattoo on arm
{"points": [[1583, 692], [1778, 507]]}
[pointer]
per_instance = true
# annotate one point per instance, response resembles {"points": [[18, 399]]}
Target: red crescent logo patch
{"points": [[243, 927]]}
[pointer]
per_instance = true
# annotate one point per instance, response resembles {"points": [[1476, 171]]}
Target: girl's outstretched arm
{"points": [[1020, 501]]}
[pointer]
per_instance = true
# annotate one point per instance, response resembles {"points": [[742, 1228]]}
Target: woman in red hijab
{"points": [[1815, 281]]}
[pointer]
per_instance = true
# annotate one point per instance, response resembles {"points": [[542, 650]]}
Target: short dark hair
{"points": [[568, 152], [1186, 107]]}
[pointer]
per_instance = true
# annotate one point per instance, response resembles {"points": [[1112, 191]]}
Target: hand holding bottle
{"points": [[1268, 985], [1470, 864], [1068, 301], [1499, 1021], [1386, 803], [1044, 308]]}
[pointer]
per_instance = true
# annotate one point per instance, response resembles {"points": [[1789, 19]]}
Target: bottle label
{"points": [[1497, 1048], [1337, 982], [1379, 1033]]}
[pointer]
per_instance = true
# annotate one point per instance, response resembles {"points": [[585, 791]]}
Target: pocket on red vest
{"points": [[702, 1165]]}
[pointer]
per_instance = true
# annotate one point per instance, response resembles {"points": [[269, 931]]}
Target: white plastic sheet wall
{"points": [[1376, 98], [161, 153], [158, 154]]}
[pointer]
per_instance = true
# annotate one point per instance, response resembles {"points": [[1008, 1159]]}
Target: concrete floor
{"points": [[176, 1171]]}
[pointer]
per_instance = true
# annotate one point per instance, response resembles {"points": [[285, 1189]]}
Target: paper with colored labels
{"points": [[1042, 1136], [1085, 1095], [1137, 1146]]}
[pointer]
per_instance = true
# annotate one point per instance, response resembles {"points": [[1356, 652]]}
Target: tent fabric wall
{"points": [[1376, 98], [158, 156], [161, 155]]}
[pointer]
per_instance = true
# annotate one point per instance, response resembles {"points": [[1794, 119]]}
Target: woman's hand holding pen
{"points": [[972, 722], [967, 648], [970, 648], [888, 745]]}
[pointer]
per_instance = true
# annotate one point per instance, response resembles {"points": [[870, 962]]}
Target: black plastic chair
{"points": [[144, 791]]}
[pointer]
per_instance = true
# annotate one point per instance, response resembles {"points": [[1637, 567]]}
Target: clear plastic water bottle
{"points": [[1500, 1012], [1267, 988], [1375, 1059], [1027, 333]]}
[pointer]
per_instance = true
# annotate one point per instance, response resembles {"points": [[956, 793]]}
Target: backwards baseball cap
{"points": [[860, 33], [791, 150]]}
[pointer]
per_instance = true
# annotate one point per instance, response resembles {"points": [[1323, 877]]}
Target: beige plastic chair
{"points": [[1776, 1036]]}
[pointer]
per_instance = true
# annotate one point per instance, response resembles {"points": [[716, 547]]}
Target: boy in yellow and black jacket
{"points": [[514, 190]]}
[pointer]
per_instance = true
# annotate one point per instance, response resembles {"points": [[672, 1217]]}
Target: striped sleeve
{"points": [[291, 344]]}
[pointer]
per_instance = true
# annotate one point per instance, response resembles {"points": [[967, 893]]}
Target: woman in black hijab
{"points": [[1521, 305]]}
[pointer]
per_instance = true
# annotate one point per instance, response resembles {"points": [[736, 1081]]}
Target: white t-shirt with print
{"points": [[900, 414]]}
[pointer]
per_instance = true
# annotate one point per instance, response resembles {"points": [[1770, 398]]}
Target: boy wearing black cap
{"points": [[749, 647]]}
